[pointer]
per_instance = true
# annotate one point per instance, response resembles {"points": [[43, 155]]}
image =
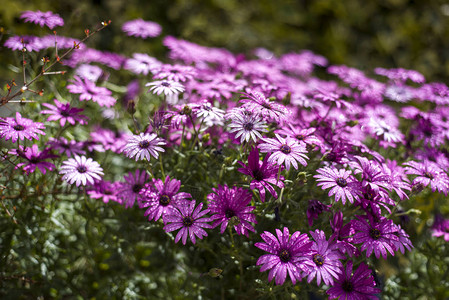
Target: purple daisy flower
{"points": [[372, 174], [30, 43], [48, 18], [142, 63], [105, 190], [264, 174], [247, 127], [377, 236], [142, 29], [90, 72], [355, 285], [440, 227], [324, 261], [81, 170], [20, 128], [189, 219], [287, 255], [343, 185], [129, 190], [287, 151], [177, 73], [270, 111], [428, 173], [315, 209], [69, 148], [64, 113], [166, 86], [143, 146], [89, 91], [231, 206], [302, 135], [35, 159], [160, 198]]}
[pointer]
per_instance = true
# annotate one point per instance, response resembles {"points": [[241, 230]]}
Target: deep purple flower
{"points": [[81, 170], [143, 146], [49, 19], [189, 219], [141, 28], [355, 285], [270, 111], [69, 148], [159, 197], [287, 255], [64, 113], [105, 190], [264, 173], [324, 261], [428, 173], [129, 190], [315, 209], [378, 236], [89, 91], [231, 206], [343, 185], [35, 159], [343, 235], [372, 174], [20, 128], [287, 151]]}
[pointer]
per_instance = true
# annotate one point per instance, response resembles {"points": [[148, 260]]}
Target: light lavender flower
{"points": [[81, 170]]}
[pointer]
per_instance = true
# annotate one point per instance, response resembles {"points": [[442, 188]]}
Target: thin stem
{"points": [[162, 168]]}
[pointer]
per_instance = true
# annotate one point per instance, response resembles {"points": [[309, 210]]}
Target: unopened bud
{"points": [[417, 188], [205, 138], [215, 272]]}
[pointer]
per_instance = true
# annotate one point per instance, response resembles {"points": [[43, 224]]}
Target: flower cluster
{"points": [[228, 148]]}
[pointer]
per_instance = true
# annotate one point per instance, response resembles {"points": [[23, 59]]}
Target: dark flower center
{"points": [[34, 160], [186, 110], [166, 84], [374, 234], [164, 200], [258, 175], [229, 213], [64, 113], [18, 127], [81, 169], [286, 149], [300, 137], [136, 188], [341, 182], [248, 126], [318, 259], [144, 144], [347, 286], [428, 175], [187, 221], [284, 255], [266, 105]]}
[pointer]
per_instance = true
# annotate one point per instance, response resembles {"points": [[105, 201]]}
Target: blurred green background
{"points": [[359, 33]]}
